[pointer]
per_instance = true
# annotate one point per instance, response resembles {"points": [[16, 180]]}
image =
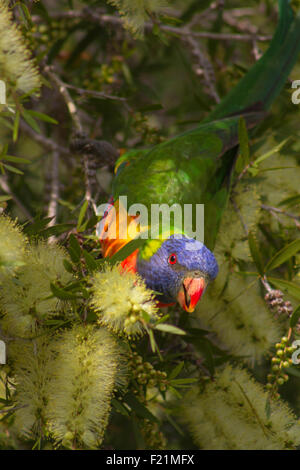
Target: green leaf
{"points": [[74, 249], [205, 348], [295, 317], [176, 371], [256, 256], [37, 226], [82, 213], [175, 392], [42, 116], [13, 169], [151, 107], [152, 341], [170, 20], [293, 370], [153, 344], [61, 293], [270, 153], [119, 407], [5, 198], [197, 332], [26, 14], [12, 158], [4, 401], [6, 123], [291, 288], [68, 266], [290, 201], [174, 330], [244, 157], [146, 316], [162, 319], [283, 255], [56, 230], [139, 408], [54, 324], [16, 126], [268, 408], [90, 261], [91, 222], [129, 248], [31, 121], [186, 381]]}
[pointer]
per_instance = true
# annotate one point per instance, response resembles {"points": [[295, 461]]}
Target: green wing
{"points": [[187, 169]]}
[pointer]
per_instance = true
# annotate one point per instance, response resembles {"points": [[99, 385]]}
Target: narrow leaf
{"points": [[243, 159], [5, 198], [283, 255], [170, 329], [16, 126], [295, 317], [270, 153], [291, 288], [12, 158], [176, 371], [61, 293], [127, 250], [13, 169], [56, 230], [256, 256], [42, 116], [31, 121], [90, 262], [139, 408], [82, 214], [74, 248], [119, 407], [186, 381]]}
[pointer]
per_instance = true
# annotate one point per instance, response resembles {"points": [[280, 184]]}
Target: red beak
{"points": [[191, 292]]}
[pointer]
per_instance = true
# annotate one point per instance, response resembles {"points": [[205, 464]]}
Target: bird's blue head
{"points": [[179, 269]]}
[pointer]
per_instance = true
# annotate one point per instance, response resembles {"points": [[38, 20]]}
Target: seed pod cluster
{"points": [[145, 374], [280, 362], [274, 299], [154, 438]]}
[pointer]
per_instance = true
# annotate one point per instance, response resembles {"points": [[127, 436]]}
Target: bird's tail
{"points": [[261, 85]]}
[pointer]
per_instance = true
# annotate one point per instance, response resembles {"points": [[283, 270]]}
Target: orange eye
{"points": [[172, 258]]}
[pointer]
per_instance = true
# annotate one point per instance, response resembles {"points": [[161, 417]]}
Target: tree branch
{"points": [[73, 111], [54, 195], [98, 17]]}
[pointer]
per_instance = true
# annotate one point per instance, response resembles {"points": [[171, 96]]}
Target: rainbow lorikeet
{"points": [[194, 168]]}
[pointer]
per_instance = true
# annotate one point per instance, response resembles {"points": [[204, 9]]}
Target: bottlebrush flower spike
{"points": [[31, 361], [136, 12], [27, 299], [17, 69], [119, 298], [231, 414], [12, 245], [85, 373]]}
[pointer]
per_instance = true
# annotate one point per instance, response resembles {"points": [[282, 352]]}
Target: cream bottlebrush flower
{"points": [[231, 414], [119, 298], [86, 369], [27, 298], [12, 245], [31, 361], [136, 12], [243, 211], [17, 69], [235, 311]]}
